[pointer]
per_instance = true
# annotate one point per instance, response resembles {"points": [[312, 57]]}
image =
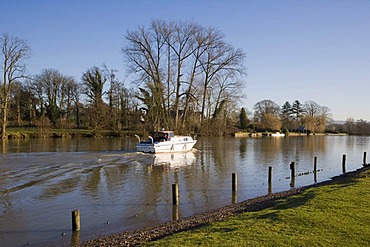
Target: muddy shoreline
{"points": [[144, 235]]}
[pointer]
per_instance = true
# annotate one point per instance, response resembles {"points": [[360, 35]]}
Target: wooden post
{"points": [[364, 161], [315, 169], [175, 212], [234, 197], [75, 238], [292, 174], [175, 194], [270, 180], [344, 164], [292, 169], [234, 185], [270, 174], [76, 220]]}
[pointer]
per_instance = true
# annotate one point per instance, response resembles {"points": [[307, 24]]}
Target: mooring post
{"points": [[234, 197], [75, 238], [175, 194], [315, 169], [292, 174], [234, 186], [292, 169], [344, 163], [364, 160], [76, 220], [175, 212], [270, 180], [270, 174]]}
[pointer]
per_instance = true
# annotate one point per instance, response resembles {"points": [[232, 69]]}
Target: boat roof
{"points": [[164, 131]]}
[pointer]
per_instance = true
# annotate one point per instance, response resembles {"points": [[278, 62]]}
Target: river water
{"points": [[117, 189]]}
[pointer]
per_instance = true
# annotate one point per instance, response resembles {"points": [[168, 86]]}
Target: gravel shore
{"points": [[144, 235]]}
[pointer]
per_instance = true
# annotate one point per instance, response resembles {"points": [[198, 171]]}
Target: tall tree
{"points": [[362, 127], [52, 86], [219, 57], [350, 126], [267, 115], [180, 37], [14, 53], [113, 98], [174, 60], [144, 53], [94, 80], [316, 116], [243, 119], [286, 110], [286, 116], [297, 110]]}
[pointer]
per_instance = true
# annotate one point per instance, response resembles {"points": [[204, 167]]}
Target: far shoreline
{"points": [[268, 134], [28, 132]]}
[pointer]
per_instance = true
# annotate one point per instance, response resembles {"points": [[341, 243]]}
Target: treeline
{"points": [[351, 127], [184, 77], [309, 117]]}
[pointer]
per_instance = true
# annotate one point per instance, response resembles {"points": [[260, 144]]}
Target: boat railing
{"points": [[138, 138], [150, 138]]}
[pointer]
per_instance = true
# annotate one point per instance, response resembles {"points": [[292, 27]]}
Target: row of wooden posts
{"points": [[76, 225]]}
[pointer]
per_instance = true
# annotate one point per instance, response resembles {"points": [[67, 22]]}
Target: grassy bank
{"points": [[332, 215]]}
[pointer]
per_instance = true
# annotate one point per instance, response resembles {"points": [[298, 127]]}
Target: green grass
{"points": [[332, 215]]}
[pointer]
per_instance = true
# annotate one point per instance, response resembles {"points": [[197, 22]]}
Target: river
{"points": [[117, 189]]}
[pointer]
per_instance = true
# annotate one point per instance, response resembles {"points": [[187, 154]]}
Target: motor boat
{"points": [[165, 142]]}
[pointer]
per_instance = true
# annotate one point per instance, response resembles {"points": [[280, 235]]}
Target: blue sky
{"points": [[304, 50]]}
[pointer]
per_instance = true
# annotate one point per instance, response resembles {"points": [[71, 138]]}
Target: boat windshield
{"points": [[161, 136]]}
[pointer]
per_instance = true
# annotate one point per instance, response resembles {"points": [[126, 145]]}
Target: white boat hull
{"points": [[166, 146], [165, 142]]}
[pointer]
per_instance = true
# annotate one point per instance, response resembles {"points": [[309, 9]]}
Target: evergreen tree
{"points": [[243, 120], [286, 110], [297, 110], [286, 116]]}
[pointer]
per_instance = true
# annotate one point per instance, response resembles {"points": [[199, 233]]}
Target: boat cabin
{"points": [[160, 136]]}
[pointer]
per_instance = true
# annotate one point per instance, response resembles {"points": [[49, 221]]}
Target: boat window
{"points": [[158, 136]]}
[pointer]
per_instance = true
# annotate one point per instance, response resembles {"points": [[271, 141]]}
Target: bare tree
{"points": [[15, 52], [173, 60], [180, 37], [316, 116], [144, 53], [94, 80], [218, 58], [350, 126], [266, 115], [53, 88]]}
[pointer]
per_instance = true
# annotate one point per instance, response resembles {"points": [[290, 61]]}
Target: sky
{"points": [[296, 50]]}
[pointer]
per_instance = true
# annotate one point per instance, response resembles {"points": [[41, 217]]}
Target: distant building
{"points": [[301, 129]]}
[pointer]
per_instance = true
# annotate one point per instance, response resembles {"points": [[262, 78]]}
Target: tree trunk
{"points": [[18, 114], [3, 134]]}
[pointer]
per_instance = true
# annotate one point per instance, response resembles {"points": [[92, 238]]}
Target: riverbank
{"points": [[270, 134], [22, 133], [145, 235]]}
